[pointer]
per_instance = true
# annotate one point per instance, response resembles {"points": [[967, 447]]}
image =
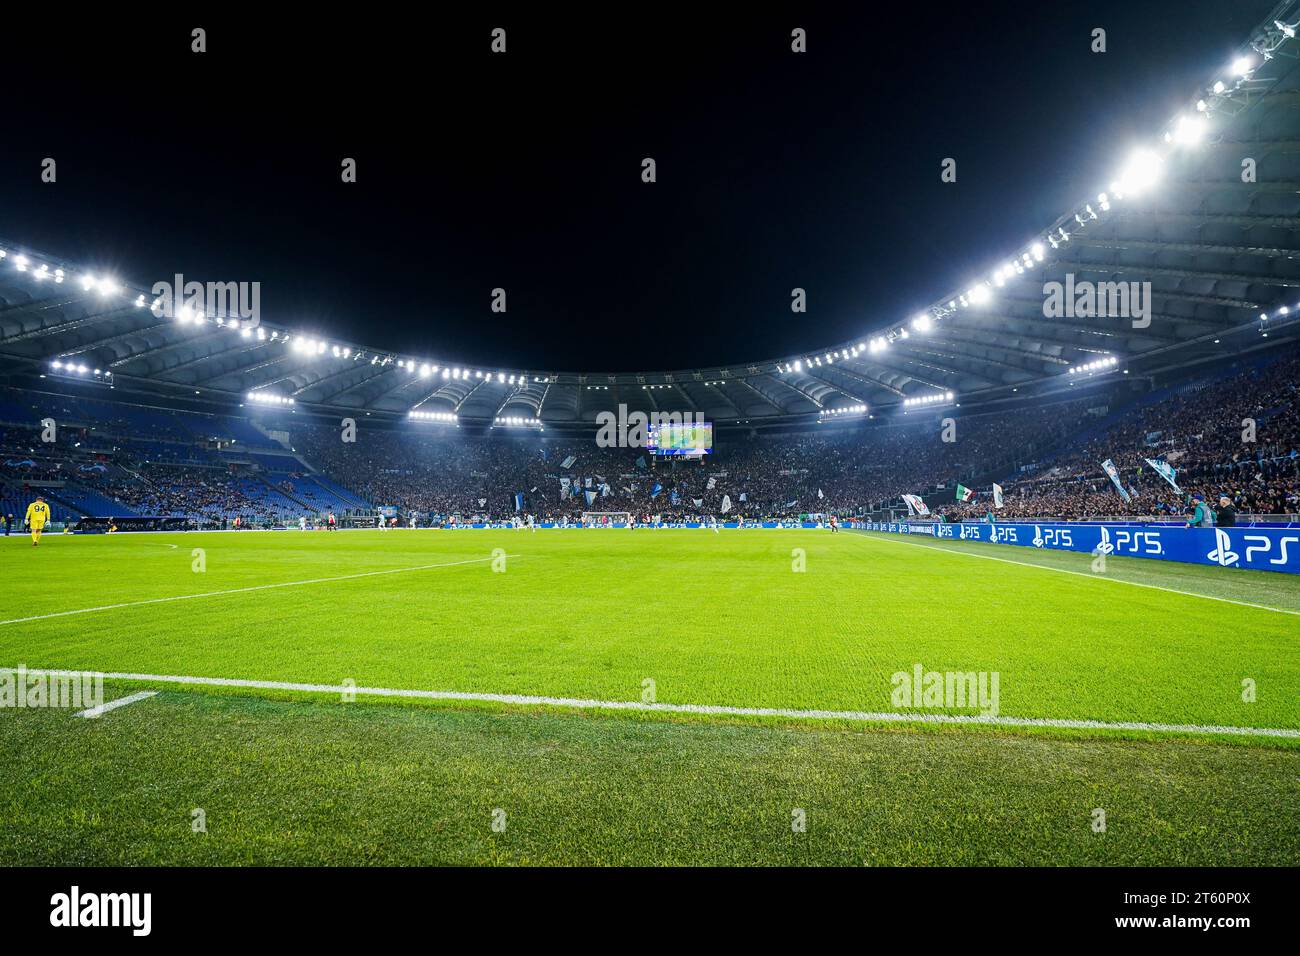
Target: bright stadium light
{"points": [[1243, 65], [927, 399], [1142, 171], [1190, 130]]}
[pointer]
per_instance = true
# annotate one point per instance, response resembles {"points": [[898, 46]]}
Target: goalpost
{"points": [[598, 517]]}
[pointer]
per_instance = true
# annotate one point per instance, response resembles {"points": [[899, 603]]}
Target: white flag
{"points": [[726, 503], [712, 482], [997, 495], [819, 494]]}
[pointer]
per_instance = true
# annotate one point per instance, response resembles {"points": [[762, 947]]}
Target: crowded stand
{"points": [[1235, 437], [1232, 433]]}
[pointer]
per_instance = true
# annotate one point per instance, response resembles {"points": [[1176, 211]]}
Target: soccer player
{"points": [[38, 512], [380, 523], [532, 523], [331, 522], [835, 524]]}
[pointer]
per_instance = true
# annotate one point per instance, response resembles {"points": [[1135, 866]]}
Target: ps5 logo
{"points": [[1139, 542], [1052, 538], [1223, 555], [1265, 546], [1104, 546]]}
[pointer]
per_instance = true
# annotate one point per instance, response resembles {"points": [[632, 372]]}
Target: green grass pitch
{"points": [[703, 619]]}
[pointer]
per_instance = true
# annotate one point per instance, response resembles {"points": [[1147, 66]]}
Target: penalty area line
{"points": [[528, 700], [1081, 574], [115, 704], [254, 587]]}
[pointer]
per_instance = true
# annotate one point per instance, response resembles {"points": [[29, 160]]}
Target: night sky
{"points": [[523, 170]]}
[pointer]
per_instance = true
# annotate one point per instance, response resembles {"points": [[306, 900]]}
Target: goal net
{"points": [[599, 517]]}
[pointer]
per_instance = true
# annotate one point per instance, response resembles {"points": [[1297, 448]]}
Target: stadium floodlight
{"points": [[1142, 171], [107, 287], [88, 282], [56, 365], [449, 417], [828, 413], [1190, 129], [1243, 65], [425, 371], [980, 294], [1218, 86], [927, 399], [1038, 251]]}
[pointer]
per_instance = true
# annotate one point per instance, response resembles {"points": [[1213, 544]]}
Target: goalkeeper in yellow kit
{"points": [[38, 512]]}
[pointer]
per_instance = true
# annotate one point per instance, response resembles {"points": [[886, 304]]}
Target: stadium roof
{"points": [[1207, 213]]}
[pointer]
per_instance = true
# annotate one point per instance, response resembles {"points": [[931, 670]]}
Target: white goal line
{"points": [[529, 700]]}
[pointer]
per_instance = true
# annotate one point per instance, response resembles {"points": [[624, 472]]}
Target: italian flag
{"points": [[964, 493]]}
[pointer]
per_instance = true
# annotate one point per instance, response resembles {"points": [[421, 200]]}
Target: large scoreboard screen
{"points": [[695, 438]]}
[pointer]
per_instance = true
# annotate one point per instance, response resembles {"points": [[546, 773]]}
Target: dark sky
{"points": [[522, 170]]}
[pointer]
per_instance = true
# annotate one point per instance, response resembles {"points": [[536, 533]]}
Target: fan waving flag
{"points": [[1165, 471], [915, 505], [964, 493], [997, 496], [1108, 466]]}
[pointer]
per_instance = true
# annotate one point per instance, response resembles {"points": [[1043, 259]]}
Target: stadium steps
{"points": [[259, 491], [90, 503], [348, 499], [293, 496]]}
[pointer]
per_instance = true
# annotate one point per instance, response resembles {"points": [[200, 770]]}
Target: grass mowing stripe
{"points": [[720, 710], [115, 704], [255, 587], [314, 782], [872, 536]]}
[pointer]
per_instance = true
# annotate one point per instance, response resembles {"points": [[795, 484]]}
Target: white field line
{"points": [[255, 587], [1091, 577], [708, 709], [115, 704]]}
